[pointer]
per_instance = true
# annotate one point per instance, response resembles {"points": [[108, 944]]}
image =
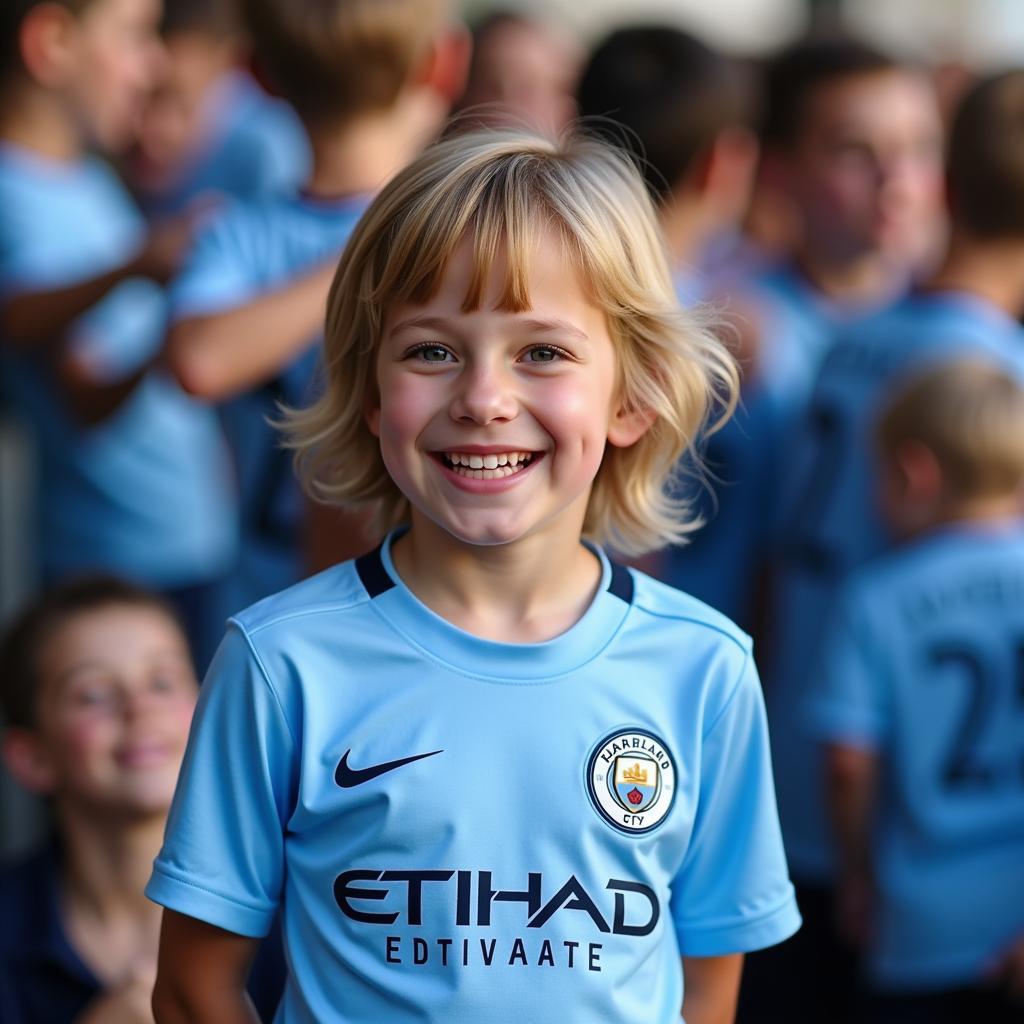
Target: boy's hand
{"points": [[853, 909], [128, 1003], [1010, 970], [165, 248]]}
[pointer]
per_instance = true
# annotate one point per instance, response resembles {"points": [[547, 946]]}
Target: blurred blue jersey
{"points": [[144, 494], [252, 146], [924, 664], [829, 523], [463, 830], [249, 249], [725, 559]]}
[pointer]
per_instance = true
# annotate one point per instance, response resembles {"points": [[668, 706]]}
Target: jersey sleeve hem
{"points": [[741, 936], [194, 900]]}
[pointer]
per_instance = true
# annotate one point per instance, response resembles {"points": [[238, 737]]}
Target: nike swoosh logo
{"points": [[348, 777]]}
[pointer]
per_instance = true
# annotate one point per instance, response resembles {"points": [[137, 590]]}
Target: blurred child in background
{"points": [[522, 73], [922, 707], [829, 526], [97, 690], [854, 139], [371, 83], [687, 114], [207, 130], [131, 473]]}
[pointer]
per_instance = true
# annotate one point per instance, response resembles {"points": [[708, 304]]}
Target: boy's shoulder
{"points": [[938, 557], [341, 591], [332, 592], [660, 602], [34, 186], [920, 326]]}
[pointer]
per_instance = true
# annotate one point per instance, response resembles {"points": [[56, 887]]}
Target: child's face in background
{"points": [[113, 55], [866, 166], [526, 399], [116, 700], [527, 73], [175, 114]]}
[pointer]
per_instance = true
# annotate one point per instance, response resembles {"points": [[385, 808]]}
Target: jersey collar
{"points": [[527, 663]]}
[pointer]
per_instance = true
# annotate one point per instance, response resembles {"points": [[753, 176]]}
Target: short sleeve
{"points": [[216, 275], [732, 893], [121, 332], [847, 706], [223, 855]]}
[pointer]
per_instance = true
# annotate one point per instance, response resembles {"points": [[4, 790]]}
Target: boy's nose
{"points": [[483, 395]]}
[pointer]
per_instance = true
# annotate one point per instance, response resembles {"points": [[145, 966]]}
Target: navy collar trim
{"points": [[376, 579]]}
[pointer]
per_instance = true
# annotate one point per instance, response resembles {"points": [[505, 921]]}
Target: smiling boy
{"points": [[483, 753]]}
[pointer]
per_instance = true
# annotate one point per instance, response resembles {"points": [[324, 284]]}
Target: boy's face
{"points": [[528, 74], [171, 122], [117, 692], [113, 56], [866, 166], [493, 424]]}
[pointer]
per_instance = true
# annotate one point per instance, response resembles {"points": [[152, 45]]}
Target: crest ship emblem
{"points": [[631, 778]]}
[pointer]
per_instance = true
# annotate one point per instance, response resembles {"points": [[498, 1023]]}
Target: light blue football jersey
{"points": [[144, 494], [253, 146], [925, 664], [830, 524], [247, 250], [465, 830], [797, 325]]}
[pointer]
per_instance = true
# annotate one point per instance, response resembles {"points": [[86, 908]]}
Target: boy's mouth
{"points": [[493, 466]]}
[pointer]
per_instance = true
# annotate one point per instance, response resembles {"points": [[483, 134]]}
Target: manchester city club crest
{"points": [[631, 779]]}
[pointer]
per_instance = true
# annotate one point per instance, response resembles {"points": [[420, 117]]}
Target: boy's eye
{"points": [[92, 697], [428, 353], [544, 354]]}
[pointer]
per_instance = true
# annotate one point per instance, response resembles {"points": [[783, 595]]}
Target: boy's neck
{"points": [[35, 120], [361, 155], [864, 279], [989, 513], [684, 227], [992, 270], [528, 591], [107, 863]]}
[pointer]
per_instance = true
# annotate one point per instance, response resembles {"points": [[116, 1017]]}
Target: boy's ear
{"points": [[445, 68], [25, 757], [628, 425], [919, 471], [44, 43]]}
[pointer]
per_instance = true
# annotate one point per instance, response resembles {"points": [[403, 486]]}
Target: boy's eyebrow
{"points": [[538, 325]]}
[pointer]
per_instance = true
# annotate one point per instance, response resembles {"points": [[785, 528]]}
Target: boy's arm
{"points": [[35, 319], [217, 356], [90, 400], [201, 974], [851, 777], [712, 988]]}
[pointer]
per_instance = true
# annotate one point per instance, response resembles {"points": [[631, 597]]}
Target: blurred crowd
{"points": [[175, 188]]}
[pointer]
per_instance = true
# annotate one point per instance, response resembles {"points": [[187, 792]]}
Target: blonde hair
{"points": [[500, 189], [970, 414]]}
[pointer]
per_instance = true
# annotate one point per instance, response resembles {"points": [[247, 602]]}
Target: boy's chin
{"points": [[483, 532]]}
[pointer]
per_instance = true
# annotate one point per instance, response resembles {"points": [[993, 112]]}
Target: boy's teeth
{"points": [[482, 467]]}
